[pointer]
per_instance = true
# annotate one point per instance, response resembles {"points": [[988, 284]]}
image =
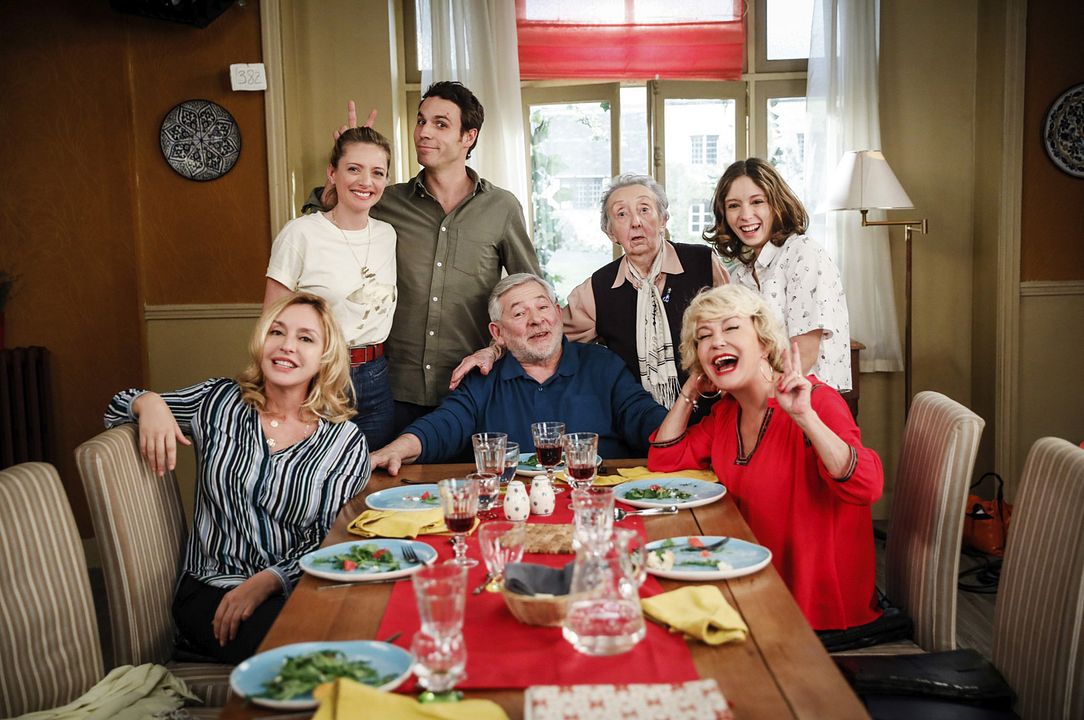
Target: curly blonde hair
{"points": [[331, 393], [723, 302]]}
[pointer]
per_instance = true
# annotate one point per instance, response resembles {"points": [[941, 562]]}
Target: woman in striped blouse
{"points": [[275, 460]]}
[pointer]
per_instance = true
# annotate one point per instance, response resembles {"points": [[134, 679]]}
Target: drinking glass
{"points": [[581, 450], [511, 461], [547, 445], [459, 501], [441, 594], [489, 451], [502, 543], [489, 493], [439, 664], [592, 516]]}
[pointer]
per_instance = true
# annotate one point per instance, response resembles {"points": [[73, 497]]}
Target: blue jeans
{"points": [[376, 408]]}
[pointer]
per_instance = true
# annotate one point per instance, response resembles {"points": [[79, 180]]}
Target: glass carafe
{"points": [[604, 616]]}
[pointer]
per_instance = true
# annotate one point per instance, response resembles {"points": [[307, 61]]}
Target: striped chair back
{"points": [[1039, 618], [926, 522], [49, 648], [140, 527]]}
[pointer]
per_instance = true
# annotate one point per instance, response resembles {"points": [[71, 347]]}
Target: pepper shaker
{"points": [[543, 499], [517, 505]]}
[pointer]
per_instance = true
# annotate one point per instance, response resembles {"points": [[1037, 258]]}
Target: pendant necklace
{"points": [[275, 422], [363, 267]]}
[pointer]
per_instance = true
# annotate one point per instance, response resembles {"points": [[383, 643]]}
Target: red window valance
{"points": [[631, 50]]}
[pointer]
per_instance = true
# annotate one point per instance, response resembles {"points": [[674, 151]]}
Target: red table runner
{"points": [[504, 653]]}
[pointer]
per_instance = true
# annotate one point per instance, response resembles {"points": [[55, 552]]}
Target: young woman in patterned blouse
{"points": [[276, 459], [760, 224]]}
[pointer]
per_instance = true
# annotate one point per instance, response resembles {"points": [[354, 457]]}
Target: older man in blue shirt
{"points": [[541, 377]]}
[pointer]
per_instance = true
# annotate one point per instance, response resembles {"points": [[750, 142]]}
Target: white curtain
{"points": [[841, 106], [474, 42]]}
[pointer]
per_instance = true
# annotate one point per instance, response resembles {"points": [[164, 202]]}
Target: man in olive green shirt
{"points": [[456, 232]]}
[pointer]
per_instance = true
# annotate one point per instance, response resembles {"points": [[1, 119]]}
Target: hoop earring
{"points": [[710, 396]]}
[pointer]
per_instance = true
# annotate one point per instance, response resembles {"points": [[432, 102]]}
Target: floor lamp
{"points": [[863, 181]]}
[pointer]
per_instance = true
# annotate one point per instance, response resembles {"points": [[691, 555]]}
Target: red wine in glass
{"points": [[459, 524], [548, 455], [581, 472]]}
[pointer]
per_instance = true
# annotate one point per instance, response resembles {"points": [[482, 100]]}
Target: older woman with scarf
{"points": [[634, 304]]}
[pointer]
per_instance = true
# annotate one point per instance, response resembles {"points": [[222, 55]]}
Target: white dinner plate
{"points": [[249, 678], [699, 492], [311, 564], [406, 497], [741, 558]]}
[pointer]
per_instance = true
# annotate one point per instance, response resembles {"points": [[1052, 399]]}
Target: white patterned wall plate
{"points": [[200, 140], [1063, 131]]}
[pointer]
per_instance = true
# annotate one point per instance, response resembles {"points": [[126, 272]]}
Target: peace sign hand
{"points": [[793, 390]]}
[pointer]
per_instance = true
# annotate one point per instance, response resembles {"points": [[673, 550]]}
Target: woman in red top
{"points": [[786, 448]]}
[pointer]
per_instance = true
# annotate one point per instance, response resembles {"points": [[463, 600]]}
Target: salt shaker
{"points": [[517, 505], [543, 499]]}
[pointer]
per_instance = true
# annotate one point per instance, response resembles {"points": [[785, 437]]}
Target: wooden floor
{"points": [[974, 611]]}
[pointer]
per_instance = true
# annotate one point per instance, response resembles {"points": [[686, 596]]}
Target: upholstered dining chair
{"points": [[140, 527], [926, 522], [1039, 615], [49, 650]]}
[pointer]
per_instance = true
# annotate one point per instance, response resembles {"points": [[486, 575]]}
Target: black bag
{"points": [[893, 625], [958, 675]]}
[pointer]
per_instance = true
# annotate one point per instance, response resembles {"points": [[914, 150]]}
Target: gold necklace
{"points": [[274, 422], [363, 267]]}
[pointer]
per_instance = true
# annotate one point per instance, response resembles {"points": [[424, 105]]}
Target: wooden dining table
{"points": [[780, 671]]}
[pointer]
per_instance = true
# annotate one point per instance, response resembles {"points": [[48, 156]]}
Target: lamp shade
{"points": [[864, 181]]}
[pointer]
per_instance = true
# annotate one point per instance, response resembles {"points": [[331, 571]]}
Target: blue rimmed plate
{"points": [[249, 678], [692, 562], [311, 564], [683, 492], [529, 465], [406, 497]]}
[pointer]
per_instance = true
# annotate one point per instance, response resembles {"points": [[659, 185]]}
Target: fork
{"points": [[410, 555]]}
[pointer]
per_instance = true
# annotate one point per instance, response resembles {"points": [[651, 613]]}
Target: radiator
{"points": [[26, 408]]}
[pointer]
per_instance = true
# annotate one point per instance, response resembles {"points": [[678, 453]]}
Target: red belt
{"points": [[365, 353]]}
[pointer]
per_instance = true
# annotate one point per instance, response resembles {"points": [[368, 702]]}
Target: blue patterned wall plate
{"points": [[1063, 131], [200, 140]]}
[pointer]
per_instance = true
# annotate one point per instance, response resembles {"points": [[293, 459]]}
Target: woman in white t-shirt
{"points": [[760, 223], [348, 258]]}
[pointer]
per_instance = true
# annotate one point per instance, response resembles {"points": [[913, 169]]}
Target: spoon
{"points": [[478, 590], [620, 514]]}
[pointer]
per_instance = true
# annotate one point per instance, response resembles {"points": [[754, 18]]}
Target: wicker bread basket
{"points": [[547, 610]]}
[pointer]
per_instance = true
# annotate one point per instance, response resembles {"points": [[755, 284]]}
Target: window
{"points": [[700, 217], [705, 149]]}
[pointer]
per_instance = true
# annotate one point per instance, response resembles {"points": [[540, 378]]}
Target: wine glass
{"points": [[581, 451], [459, 501], [441, 594], [439, 664], [502, 543], [547, 445], [489, 493], [511, 461]]}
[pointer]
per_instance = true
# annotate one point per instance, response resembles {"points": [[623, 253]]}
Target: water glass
{"points": [[592, 516], [511, 461], [581, 452], [459, 501], [441, 594], [489, 451], [489, 493], [439, 663], [502, 543], [547, 445]]}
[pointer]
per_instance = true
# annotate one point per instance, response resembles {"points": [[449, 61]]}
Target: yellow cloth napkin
{"points": [[697, 610], [401, 524], [641, 473], [348, 700]]}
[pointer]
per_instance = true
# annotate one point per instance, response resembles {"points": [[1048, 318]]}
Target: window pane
{"points": [[570, 167], [786, 141], [634, 130], [788, 27], [616, 11], [699, 146]]}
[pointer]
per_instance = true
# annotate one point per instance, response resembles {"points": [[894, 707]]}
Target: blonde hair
{"points": [[723, 302], [331, 393], [329, 198]]}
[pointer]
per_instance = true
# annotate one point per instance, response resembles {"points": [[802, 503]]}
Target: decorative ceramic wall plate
{"points": [[200, 140], [1063, 131]]}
